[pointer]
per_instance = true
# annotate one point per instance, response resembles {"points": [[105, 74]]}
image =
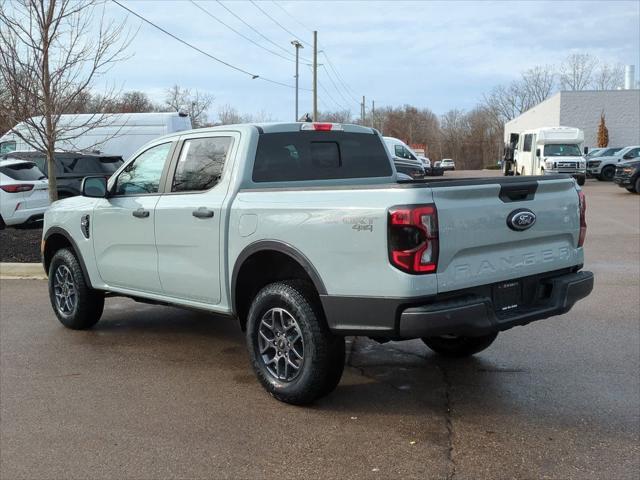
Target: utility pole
{"points": [[362, 111], [315, 76], [298, 46], [373, 113]]}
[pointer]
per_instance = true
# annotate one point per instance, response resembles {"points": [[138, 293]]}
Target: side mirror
{"points": [[537, 152], [94, 187], [586, 150]]}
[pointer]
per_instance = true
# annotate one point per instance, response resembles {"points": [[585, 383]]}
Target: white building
{"points": [[582, 109]]}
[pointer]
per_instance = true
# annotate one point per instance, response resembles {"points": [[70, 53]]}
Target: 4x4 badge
{"points": [[521, 219]]}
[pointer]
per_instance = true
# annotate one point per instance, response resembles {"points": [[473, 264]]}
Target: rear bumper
{"points": [[469, 312]]}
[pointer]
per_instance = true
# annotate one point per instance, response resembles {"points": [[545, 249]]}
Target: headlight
{"points": [[548, 164], [581, 165], [595, 163]]}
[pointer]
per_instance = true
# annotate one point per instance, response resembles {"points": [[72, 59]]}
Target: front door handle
{"points": [[140, 213], [202, 212]]}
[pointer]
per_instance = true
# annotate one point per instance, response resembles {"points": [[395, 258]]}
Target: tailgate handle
{"points": [[519, 192]]}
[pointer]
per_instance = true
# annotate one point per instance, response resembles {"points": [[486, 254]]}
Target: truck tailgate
{"points": [[477, 247]]}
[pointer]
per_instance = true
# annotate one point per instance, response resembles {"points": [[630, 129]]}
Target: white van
{"points": [[549, 151], [119, 134]]}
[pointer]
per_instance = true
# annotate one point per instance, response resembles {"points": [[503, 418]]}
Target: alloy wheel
{"points": [[64, 289], [280, 344]]}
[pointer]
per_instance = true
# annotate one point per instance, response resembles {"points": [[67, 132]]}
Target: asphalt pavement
{"points": [[155, 392]]}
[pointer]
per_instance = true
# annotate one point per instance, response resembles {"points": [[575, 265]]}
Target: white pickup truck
{"points": [[302, 232]]}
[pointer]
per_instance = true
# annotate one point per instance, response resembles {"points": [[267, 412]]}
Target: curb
{"points": [[10, 270]]}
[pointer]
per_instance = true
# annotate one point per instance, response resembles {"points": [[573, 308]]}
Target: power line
{"points": [[278, 23], [257, 31], [199, 50], [346, 88], [336, 86], [240, 33], [291, 16]]}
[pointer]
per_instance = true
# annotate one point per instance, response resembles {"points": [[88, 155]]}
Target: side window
{"points": [[143, 174], [7, 147], [527, 142], [200, 164], [633, 153]]}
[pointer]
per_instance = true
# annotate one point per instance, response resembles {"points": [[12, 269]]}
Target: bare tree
{"points": [[537, 84], [228, 115], [338, 116], [51, 52], [576, 71], [608, 77], [196, 104]]}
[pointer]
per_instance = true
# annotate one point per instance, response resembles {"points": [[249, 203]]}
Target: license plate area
{"points": [[507, 296]]}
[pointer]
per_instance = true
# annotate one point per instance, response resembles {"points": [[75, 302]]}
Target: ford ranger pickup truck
{"points": [[302, 232]]}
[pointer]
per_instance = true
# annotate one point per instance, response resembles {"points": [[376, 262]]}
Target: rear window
{"points": [[299, 156], [26, 171], [89, 165]]}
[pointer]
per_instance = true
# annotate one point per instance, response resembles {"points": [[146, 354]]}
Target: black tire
{"points": [[323, 353], [83, 312], [2, 224], [581, 180], [607, 173], [458, 347], [637, 185]]}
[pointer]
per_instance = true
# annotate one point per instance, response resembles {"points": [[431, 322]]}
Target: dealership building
{"points": [[582, 109]]}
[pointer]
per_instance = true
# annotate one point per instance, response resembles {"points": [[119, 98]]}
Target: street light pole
{"points": [[315, 76], [298, 46]]}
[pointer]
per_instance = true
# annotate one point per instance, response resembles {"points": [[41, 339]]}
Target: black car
{"points": [[71, 168], [628, 175]]}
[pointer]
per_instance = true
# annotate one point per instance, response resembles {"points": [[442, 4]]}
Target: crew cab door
{"points": [[188, 218], [123, 224]]}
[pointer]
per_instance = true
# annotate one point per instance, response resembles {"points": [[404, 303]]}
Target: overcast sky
{"points": [[440, 55]]}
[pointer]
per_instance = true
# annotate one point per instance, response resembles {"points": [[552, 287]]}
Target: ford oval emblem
{"points": [[521, 219]]}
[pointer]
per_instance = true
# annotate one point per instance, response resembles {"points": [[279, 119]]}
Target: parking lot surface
{"points": [[155, 392]]}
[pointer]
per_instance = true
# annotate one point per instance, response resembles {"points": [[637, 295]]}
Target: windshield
{"points": [[562, 150]]}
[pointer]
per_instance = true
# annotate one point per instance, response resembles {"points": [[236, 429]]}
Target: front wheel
{"points": [[74, 302], [581, 180], [293, 353], [607, 173], [459, 346]]}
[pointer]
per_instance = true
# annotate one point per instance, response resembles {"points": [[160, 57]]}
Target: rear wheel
{"points": [[76, 305], [293, 353], [459, 346], [607, 173], [2, 224]]}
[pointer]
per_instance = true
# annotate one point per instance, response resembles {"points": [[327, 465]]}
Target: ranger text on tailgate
{"points": [[303, 233]]}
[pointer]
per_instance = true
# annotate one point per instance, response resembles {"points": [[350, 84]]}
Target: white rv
{"points": [[119, 134], [548, 151]]}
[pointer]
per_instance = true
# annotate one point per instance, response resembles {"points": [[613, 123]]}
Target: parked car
{"points": [[602, 152], [447, 164], [71, 168], [24, 193], [628, 175], [303, 233], [604, 167]]}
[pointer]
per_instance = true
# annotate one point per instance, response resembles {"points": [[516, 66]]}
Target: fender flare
{"points": [[60, 231], [280, 247]]}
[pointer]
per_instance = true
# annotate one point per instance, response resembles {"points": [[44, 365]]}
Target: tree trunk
{"points": [[50, 133]]}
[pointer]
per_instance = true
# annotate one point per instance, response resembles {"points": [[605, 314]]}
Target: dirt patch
{"points": [[20, 245]]}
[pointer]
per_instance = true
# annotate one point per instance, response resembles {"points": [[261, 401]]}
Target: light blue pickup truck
{"points": [[303, 233]]}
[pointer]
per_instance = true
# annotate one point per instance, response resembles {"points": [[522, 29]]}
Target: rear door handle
{"points": [[140, 213], [202, 212]]}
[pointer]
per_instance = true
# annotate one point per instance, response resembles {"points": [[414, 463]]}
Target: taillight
{"points": [[413, 238], [24, 187], [582, 205]]}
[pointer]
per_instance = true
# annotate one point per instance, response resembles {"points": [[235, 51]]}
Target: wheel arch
{"points": [[55, 239], [252, 271]]}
